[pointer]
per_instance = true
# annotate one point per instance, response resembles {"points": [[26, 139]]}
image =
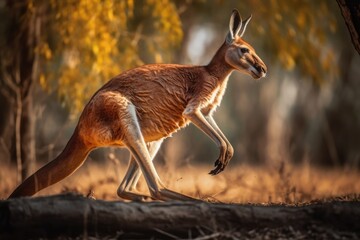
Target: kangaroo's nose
{"points": [[260, 68], [263, 69]]}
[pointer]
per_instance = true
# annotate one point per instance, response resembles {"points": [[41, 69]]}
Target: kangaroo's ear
{"points": [[245, 25], [234, 26]]}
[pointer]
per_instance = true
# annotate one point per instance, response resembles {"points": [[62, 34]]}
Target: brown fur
{"points": [[158, 100], [160, 93]]}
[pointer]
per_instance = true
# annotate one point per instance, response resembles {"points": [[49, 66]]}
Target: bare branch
{"points": [[75, 215], [351, 13]]}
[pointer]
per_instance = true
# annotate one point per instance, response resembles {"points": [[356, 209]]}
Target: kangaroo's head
{"points": [[240, 54]]}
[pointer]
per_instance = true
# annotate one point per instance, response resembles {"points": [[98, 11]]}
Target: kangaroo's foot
{"points": [[165, 194], [134, 196]]}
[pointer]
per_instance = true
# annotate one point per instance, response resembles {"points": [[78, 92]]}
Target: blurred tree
{"points": [[299, 42], [73, 47], [21, 33], [99, 39]]}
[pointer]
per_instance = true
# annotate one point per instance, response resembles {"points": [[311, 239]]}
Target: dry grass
{"points": [[238, 184]]}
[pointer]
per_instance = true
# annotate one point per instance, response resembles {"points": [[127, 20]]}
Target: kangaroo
{"points": [[142, 106]]}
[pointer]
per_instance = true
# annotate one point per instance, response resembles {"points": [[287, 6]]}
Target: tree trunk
{"points": [[350, 10], [6, 125], [27, 132], [19, 67], [71, 215]]}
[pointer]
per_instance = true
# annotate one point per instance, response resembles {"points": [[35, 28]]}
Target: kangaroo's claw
{"points": [[219, 167]]}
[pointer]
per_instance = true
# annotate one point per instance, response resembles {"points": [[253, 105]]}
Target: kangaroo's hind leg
{"points": [[127, 188], [134, 141]]}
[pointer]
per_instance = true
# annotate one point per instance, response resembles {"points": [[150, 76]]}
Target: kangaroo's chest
{"points": [[213, 99]]}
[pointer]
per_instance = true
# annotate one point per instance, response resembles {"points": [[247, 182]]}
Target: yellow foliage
{"points": [[98, 40], [298, 35], [46, 51], [42, 81], [287, 60]]}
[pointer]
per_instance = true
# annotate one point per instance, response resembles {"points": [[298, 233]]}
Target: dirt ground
{"points": [[281, 185], [278, 184]]}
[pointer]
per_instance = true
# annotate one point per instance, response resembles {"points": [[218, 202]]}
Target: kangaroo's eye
{"points": [[244, 50]]}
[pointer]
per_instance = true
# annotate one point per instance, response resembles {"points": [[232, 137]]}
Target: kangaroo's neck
{"points": [[218, 67]]}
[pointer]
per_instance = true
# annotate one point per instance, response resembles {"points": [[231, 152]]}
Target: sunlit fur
{"points": [[148, 104]]}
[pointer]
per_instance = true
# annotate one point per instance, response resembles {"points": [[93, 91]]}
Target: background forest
{"points": [[299, 125]]}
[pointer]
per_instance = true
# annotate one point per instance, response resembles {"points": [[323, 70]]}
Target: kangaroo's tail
{"points": [[70, 159]]}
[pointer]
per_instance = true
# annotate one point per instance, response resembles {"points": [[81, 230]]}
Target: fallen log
{"points": [[74, 215]]}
